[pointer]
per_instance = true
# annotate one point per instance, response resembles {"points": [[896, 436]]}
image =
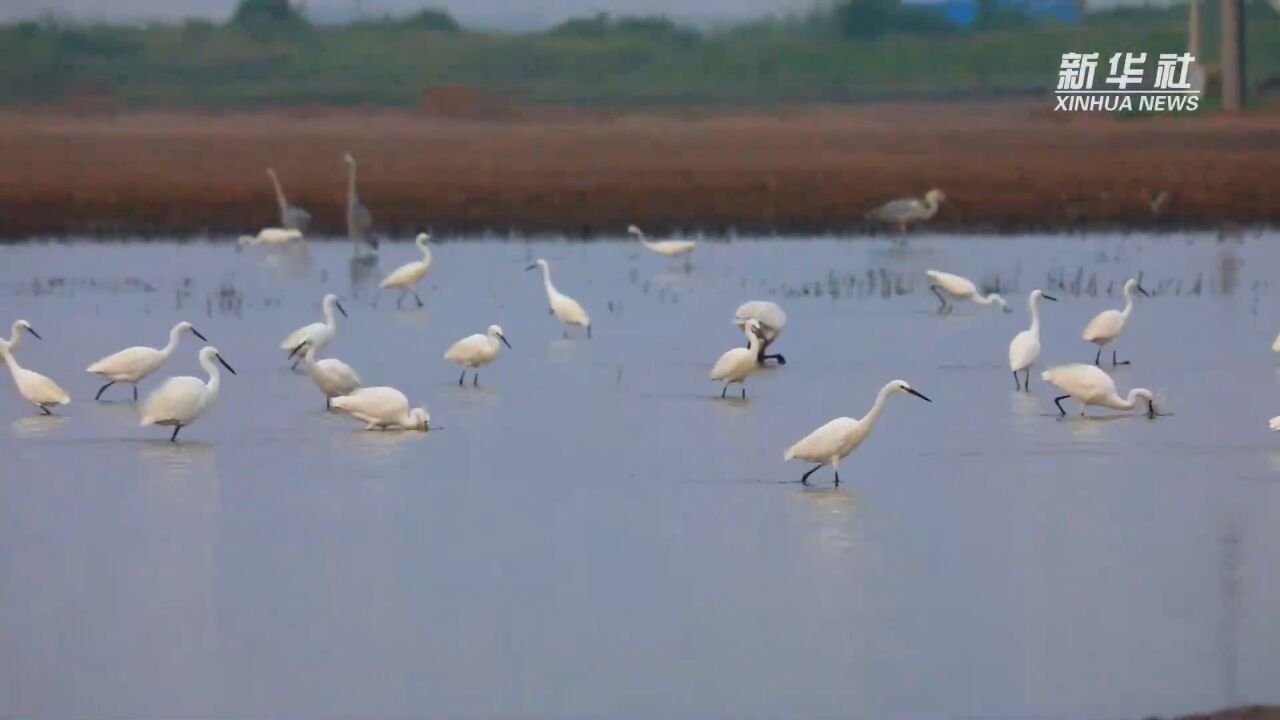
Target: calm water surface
{"points": [[594, 534]]}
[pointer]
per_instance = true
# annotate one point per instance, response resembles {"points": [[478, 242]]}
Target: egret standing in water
{"points": [[666, 248], [383, 408], [15, 335], [180, 401], [318, 334], [960, 288], [476, 351], [566, 309], [905, 211], [331, 375], [133, 364], [406, 277], [735, 365], [359, 219], [292, 217], [1091, 385], [834, 441], [1107, 325], [771, 318], [32, 386], [1024, 351]]}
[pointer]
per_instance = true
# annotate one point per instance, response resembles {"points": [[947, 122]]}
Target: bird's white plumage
{"points": [[319, 334], [566, 309], [1024, 350], [180, 400], [1091, 385], [383, 407], [32, 386], [735, 365], [15, 336], [667, 248], [409, 274], [272, 236], [1107, 325], [331, 375], [476, 351], [1275, 424], [962, 288], [1275, 346], [771, 316], [133, 364], [905, 211]]}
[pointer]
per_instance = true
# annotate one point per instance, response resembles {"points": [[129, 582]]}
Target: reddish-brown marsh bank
{"points": [[1004, 166]]}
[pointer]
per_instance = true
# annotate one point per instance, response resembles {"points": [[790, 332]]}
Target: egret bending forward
{"points": [[735, 365], [1107, 325], [771, 318], [1091, 385], [960, 288], [32, 386], [566, 309], [271, 236], [830, 443], [476, 351], [133, 364], [905, 211], [383, 408], [180, 401], [406, 277], [666, 248], [318, 334], [292, 217], [331, 375], [15, 335], [1024, 350]]}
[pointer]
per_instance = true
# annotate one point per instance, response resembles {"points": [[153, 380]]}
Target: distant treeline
{"points": [[269, 54]]}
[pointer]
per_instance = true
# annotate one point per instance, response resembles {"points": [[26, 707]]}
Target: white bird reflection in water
{"points": [[37, 426], [186, 461], [834, 515]]}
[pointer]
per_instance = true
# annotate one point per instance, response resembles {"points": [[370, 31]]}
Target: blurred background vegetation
{"points": [[270, 55]]}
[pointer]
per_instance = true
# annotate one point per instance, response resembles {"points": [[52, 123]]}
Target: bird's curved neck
{"points": [[172, 345], [330, 320], [1128, 303], [930, 205], [351, 186], [9, 360], [215, 375], [284, 205], [874, 413], [309, 357], [988, 299], [546, 279], [1035, 315], [753, 342], [426, 251], [15, 336]]}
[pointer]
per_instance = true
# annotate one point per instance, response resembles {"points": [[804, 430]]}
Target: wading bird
{"points": [[271, 236], [133, 364], [1024, 351], [1107, 325], [406, 277], [181, 400], [668, 248], [830, 443], [359, 219], [292, 217], [32, 386], [771, 319], [960, 288], [1091, 385], [735, 365], [15, 335], [905, 211], [1275, 424], [318, 334], [383, 408], [476, 351], [566, 309], [332, 376]]}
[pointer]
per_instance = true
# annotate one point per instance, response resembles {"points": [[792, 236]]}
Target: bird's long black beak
{"points": [[197, 334], [532, 266], [341, 310], [915, 392], [225, 365], [33, 332], [1143, 291], [503, 338], [1048, 297], [295, 350]]}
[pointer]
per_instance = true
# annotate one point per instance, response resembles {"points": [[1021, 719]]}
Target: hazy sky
{"points": [[522, 13]]}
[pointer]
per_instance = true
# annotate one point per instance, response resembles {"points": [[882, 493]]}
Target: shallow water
{"points": [[593, 533]]}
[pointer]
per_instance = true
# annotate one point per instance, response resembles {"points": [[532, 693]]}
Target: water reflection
{"points": [[178, 460], [36, 426], [833, 513]]}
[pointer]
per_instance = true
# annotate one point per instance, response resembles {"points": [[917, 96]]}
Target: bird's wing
{"points": [[38, 388], [727, 363], [379, 402], [822, 443], [1022, 349], [896, 210], [297, 337], [1275, 423], [570, 311], [403, 274], [178, 398], [465, 349], [1104, 324]]}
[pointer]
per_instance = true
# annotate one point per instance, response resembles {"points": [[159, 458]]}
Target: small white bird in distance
{"points": [[32, 386], [960, 288], [406, 277], [1275, 424], [180, 401], [1024, 350], [331, 375], [1091, 385], [133, 364], [15, 335], [905, 211], [318, 334], [735, 365], [667, 248], [476, 351], [834, 441], [771, 318], [1107, 325], [566, 309], [383, 408], [272, 236]]}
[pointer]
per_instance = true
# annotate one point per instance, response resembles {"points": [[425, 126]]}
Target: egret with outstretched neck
{"points": [[292, 217], [832, 442], [318, 334], [566, 309], [1024, 350], [181, 400], [359, 219], [960, 288], [905, 211], [15, 335], [666, 248], [1091, 385], [133, 364], [32, 386], [1107, 325], [406, 277]]}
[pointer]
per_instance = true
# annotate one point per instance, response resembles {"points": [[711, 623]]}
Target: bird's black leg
{"points": [[475, 378], [328, 403], [804, 479], [1017, 384], [415, 297], [744, 392], [174, 436], [462, 377], [724, 390], [942, 301], [1097, 359], [294, 366], [1058, 401], [1113, 359], [400, 299], [1026, 383], [588, 332], [103, 389], [781, 360], [837, 478], [44, 410], [135, 392]]}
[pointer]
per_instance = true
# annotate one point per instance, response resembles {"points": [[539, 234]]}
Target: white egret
{"points": [[15, 335], [1275, 345], [383, 407], [181, 400], [406, 277], [566, 309], [476, 351], [359, 219], [771, 318], [32, 386], [292, 217], [1275, 424], [1091, 385], [960, 288], [1107, 325], [905, 211], [830, 443], [133, 364], [332, 376], [317, 334], [667, 248], [735, 365], [272, 236], [1024, 350]]}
